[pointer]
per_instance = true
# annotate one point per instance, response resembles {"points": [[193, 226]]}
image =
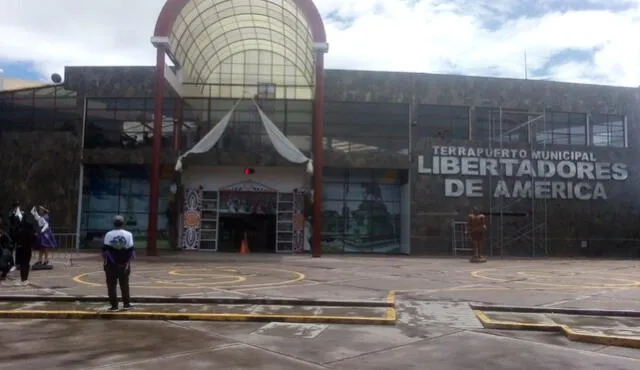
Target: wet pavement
{"points": [[239, 309], [436, 328], [623, 329]]}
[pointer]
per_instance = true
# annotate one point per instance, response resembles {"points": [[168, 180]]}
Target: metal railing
{"points": [[460, 241], [66, 251]]}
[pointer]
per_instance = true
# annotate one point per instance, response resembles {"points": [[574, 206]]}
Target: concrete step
{"points": [[618, 330], [201, 311]]}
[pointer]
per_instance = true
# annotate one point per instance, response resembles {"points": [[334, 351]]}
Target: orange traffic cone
{"points": [[244, 248]]}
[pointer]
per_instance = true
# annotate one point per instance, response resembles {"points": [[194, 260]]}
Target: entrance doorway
{"points": [[259, 231]]}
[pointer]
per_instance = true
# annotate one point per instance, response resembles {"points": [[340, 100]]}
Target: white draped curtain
{"points": [[282, 145]]}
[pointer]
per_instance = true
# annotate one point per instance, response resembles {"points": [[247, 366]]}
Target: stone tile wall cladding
{"points": [[41, 167], [609, 227]]}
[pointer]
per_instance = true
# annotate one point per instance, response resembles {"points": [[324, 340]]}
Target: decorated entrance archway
{"points": [[204, 208], [279, 45]]}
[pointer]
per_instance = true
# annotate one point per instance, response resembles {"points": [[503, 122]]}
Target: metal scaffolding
{"points": [[517, 227]]}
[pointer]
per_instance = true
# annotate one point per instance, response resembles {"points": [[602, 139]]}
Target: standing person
{"points": [[27, 238], [47, 240], [7, 238], [117, 252], [6, 254], [13, 224], [476, 226]]}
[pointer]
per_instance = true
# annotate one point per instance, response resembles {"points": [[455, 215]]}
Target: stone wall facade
{"points": [[42, 168], [607, 230]]}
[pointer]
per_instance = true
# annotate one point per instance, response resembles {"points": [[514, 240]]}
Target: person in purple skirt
{"points": [[46, 240]]}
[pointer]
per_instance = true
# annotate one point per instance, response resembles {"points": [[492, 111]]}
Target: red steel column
{"points": [[318, 155], [154, 188]]}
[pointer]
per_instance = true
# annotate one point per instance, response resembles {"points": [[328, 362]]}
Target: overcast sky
{"points": [[592, 41]]}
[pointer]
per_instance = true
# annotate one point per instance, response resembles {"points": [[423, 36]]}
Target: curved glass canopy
{"points": [[229, 47]]}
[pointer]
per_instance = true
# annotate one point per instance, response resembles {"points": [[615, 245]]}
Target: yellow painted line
{"points": [[479, 274], [513, 289], [603, 339], [298, 276], [628, 283], [80, 278], [207, 274], [234, 279], [391, 297], [390, 312], [129, 315]]}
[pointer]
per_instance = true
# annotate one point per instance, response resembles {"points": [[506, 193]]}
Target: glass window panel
{"points": [[198, 29], [295, 33], [359, 175], [206, 5], [333, 224], [338, 175], [434, 110], [131, 203], [189, 11], [99, 202], [357, 210], [100, 222], [460, 122], [577, 139], [560, 139], [333, 208], [23, 94], [334, 191], [607, 130]]}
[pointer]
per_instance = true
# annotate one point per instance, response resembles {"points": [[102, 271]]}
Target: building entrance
{"points": [[257, 230], [270, 221]]}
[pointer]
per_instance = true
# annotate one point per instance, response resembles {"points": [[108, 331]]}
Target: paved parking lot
{"points": [[436, 329]]}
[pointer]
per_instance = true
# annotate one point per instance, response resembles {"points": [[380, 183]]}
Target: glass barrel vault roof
{"points": [[244, 42]]}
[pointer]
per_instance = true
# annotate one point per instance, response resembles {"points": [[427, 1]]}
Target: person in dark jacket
{"points": [[26, 239], [13, 227], [6, 254], [117, 253]]}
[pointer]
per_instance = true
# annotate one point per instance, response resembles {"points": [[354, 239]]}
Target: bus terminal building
{"points": [[240, 135]]}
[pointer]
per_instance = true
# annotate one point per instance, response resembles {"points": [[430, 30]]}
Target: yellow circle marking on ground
{"points": [[207, 275], [80, 278], [626, 283], [298, 277], [167, 284], [480, 275]]}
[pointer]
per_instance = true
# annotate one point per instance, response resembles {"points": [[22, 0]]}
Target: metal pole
{"points": [[533, 195], [588, 130], [546, 204], [154, 183], [625, 133], [411, 169], [80, 176], [501, 198], [491, 201], [318, 155]]}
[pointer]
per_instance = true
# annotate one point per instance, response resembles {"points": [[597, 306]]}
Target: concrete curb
{"points": [[226, 301], [175, 316], [607, 340], [390, 313], [563, 311]]}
